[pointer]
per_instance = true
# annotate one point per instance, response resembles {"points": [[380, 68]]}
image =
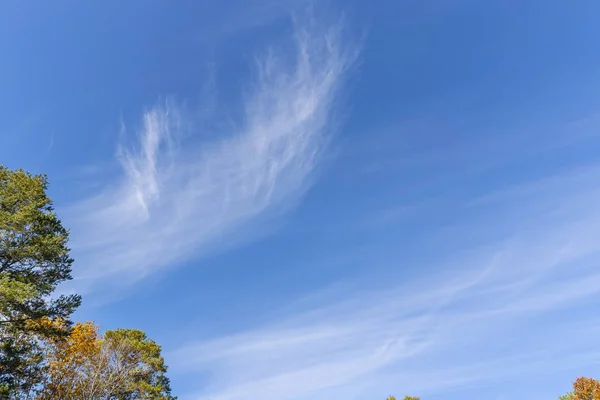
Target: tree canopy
{"points": [[34, 259], [586, 389], [122, 364], [43, 355]]}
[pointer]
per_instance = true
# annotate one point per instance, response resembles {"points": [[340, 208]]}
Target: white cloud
{"points": [[514, 308], [178, 196]]}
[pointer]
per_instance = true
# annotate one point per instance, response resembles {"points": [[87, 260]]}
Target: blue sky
{"points": [[324, 201]]}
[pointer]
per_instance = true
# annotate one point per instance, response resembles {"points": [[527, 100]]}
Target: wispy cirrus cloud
{"points": [[512, 307], [180, 192]]}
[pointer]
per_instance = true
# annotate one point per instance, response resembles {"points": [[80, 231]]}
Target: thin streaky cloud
{"points": [[177, 198], [430, 336], [50, 143]]}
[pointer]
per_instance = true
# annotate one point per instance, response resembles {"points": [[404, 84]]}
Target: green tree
{"points": [[34, 259], [146, 377]]}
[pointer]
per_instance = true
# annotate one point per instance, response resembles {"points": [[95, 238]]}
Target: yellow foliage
{"points": [[66, 357]]}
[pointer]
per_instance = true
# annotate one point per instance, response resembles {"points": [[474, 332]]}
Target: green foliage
{"points": [[12, 292], [34, 259], [142, 357], [33, 242], [568, 396]]}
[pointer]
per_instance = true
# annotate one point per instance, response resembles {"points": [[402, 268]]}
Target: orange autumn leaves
{"points": [[67, 361], [586, 389]]}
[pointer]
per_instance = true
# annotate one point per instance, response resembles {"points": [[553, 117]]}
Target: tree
{"points": [[34, 259], [405, 398], [586, 389], [583, 389], [123, 364]]}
